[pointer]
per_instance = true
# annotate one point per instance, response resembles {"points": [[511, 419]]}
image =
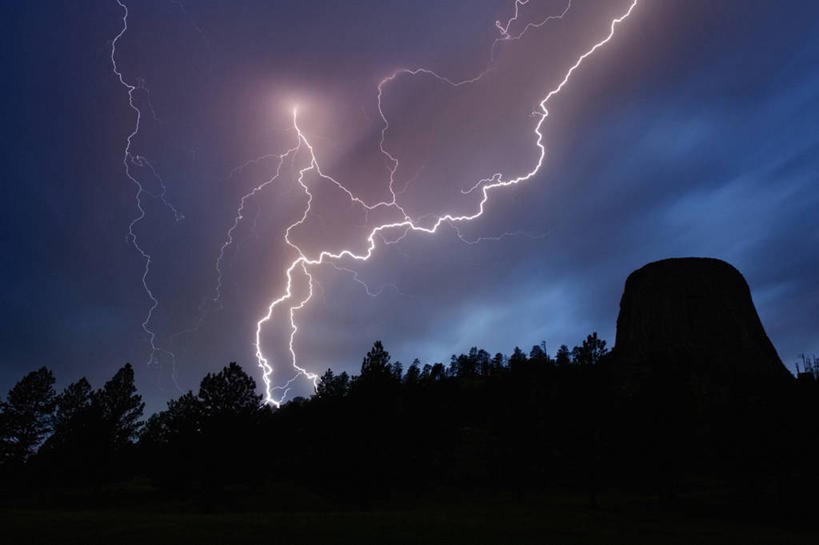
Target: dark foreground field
{"points": [[565, 521]]}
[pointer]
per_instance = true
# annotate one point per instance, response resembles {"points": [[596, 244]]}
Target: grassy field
{"points": [[542, 521]]}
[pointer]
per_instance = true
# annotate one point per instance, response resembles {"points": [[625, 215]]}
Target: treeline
{"points": [[482, 425], [81, 436]]}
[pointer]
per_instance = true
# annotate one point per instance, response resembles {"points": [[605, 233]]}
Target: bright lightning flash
{"points": [[300, 267]]}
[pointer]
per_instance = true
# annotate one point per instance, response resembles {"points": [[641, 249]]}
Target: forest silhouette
{"points": [[483, 424]]}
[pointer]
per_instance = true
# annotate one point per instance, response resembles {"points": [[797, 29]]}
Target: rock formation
{"points": [[694, 318]]}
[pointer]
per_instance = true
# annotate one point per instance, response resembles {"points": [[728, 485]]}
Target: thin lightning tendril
{"points": [[495, 238], [130, 160], [367, 289], [127, 160], [240, 216], [504, 29], [177, 215]]}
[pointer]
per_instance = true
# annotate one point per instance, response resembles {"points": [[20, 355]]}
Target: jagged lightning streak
{"points": [[505, 36], [504, 29], [240, 215], [367, 289], [129, 160], [496, 238], [302, 262], [163, 194]]}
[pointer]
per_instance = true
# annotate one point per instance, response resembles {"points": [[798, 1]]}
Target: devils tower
{"points": [[695, 316]]}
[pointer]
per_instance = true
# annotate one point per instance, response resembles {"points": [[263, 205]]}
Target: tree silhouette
{"points": [[26, 415], [181, 420], [76, 431], [378, 375], [470, 365], [376, 361], [590, 351], [435, 372], [332, 386], [231, 409], [119, 408], [518, 360], [413, 374], [231, 391], [72, 405], [539, 356], [563, 356], [72, 415], [172, 441]]}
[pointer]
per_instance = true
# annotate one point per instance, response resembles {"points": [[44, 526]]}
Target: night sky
{"points": [[694, 131]]}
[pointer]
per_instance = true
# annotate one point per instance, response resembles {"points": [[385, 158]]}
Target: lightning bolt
{"points": [[504, 28], [130, 160], [299, 269]]}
